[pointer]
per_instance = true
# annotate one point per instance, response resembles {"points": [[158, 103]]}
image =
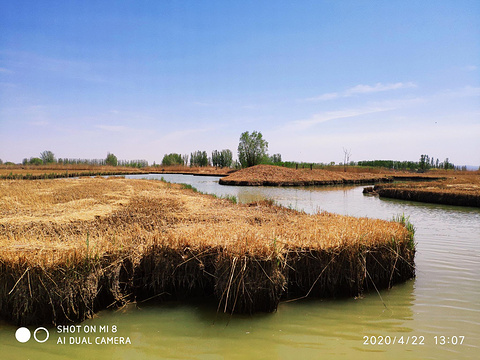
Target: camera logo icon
{"points": [[23, 334]]}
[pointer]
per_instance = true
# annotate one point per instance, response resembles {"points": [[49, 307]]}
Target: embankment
{"points": [[71, 247]]}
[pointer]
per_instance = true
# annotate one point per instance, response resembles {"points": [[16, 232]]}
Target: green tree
{"points": [[172, 159], [222, 158], [47, 157], [199, 158], [252, 149], [35, 161], [424, 162], [111, 160], [276, 158]]}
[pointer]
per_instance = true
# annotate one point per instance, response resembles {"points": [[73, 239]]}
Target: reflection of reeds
{"points": [[71, 247]]}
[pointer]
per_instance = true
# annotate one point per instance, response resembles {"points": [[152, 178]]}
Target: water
{"points": [[442, 304]]}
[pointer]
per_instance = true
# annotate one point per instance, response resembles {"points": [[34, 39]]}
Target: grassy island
{"points": [[269, 175], [71, 247], [463, 190]]}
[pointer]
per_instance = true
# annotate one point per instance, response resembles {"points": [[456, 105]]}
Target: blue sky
{"points": [[385, 79]]}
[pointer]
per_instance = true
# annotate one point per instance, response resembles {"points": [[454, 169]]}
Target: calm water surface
{"points": [[442, 301]]}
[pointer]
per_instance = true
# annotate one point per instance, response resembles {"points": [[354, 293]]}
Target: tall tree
{"points": [[252, 149], [47, 157], [111, 160]]}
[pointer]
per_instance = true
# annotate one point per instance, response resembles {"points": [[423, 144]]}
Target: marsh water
{"points": [[436, 315]]}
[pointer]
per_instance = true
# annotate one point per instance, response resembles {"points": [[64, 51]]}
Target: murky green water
{"points": [[442, 304]]}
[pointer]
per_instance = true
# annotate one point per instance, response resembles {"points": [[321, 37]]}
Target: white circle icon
{"points": [[22, 334], [35, 335]]}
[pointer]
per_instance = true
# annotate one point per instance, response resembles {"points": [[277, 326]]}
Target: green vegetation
{"points": [[111, 160], [252, 149], [172, 159], [276, 158], [222, 158], [425, 163], [232, 198], [33, 161], [133, 163], [188, 186], [199, 158], [48, 157], [405, 221]]}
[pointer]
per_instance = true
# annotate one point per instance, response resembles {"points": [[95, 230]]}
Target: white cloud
{"points": [[378, 87], [363, 89]]}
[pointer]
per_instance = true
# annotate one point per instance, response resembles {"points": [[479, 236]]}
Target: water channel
{"points": [[434, 316]]}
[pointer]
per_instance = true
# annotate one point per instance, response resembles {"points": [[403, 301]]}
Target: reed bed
{"points": [[73, 246], [55, 171], [269, 175], [463, 190]]}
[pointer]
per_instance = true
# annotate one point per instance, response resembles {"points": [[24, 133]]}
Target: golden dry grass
{"points": [[276, 175], [59, 170], [55, 216], [70, 246], [62, 169], [460, 189]]}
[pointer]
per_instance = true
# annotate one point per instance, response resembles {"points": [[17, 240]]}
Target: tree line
{"points": [[47, 157], [252, 150], [425, 163]]}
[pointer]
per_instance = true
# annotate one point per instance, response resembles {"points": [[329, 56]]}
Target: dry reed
{"points": [[71, 247]]}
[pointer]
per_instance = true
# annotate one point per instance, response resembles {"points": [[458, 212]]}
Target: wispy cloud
{"points": [[362, 89], [5, 71], [335, 115], [466, 91]]}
